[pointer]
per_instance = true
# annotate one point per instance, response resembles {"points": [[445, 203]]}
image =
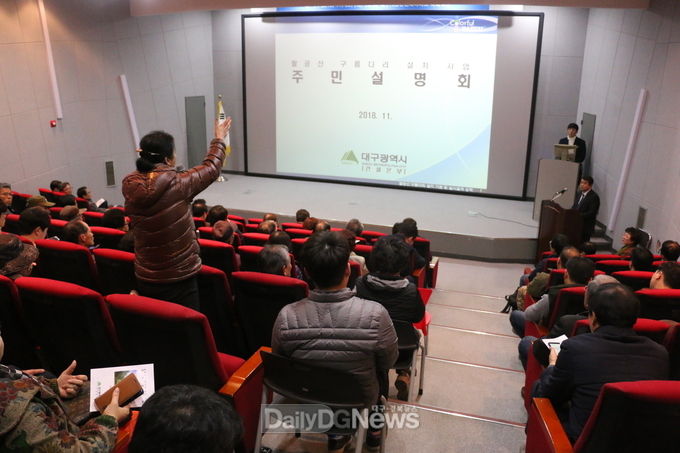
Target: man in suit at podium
{"points": [[572, 139], [588, 204]]}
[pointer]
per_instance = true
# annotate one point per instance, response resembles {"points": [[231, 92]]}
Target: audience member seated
{"points": [[613, 352], [66, 188], [186, 418], [55, 185], [397, 294], [215, 214], [33, 224], [310, 223], [670, 250], [71, 212], [224, 231], [275, 259], [322, 225], [355, 227], [282, 238], [4, 210], [267, 227], [6, 194], [78, 232], [16, 258], [115, 218], [408, 229], [666, 277], [334, 327], [270, 216], [66, 196], [641, 260], [563, 326], [33, 416], [556, 244], [587, 248], [631, 238], [301, 215], [199, 208], [85, 193], [578, 272], [352, 242], [39, 201]]}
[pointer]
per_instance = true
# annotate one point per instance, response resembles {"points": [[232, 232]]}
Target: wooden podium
{"points": [[555, 219]]}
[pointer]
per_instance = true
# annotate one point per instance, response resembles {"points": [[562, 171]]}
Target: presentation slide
{"points": [[407, 101]]}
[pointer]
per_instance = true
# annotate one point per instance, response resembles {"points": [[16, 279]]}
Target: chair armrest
{"points": [[125, 434], [544, 430], [245, 389], [420, 275], [425, 294]]}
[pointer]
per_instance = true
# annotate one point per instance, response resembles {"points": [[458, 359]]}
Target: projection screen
{"points": [[425, 100]]}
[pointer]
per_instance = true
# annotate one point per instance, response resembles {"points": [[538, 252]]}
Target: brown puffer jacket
{"points": [[159, 206]]}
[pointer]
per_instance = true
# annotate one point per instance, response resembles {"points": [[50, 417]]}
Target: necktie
{"points": [[581, 199]]}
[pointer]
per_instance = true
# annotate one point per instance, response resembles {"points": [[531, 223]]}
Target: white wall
{"points": [[627, 51], [165, 59]]}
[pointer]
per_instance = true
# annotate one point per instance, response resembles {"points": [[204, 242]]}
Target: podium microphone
{"points": [[558, 194]]}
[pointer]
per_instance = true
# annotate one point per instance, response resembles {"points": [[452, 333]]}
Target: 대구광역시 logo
{"points": [[349, 158]]}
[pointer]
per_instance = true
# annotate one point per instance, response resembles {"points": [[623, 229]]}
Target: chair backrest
{"points": [[259, 298], [68, 322], [206, 232], [651, 328], [254, 238], [108, 238], [633, 417], [56, 227], [551, 263], [19, 201], [237, 218], [288, 225], [611, 266], [250, 257], [217, 305], [11, 224], [354, 273], [569, 301], [176, 339], [363, 250], [20, 346], [604, 256], [311, 383], [635, 280], [254, 221], [93, 218], [54, 212], [659, 303], [219, 255], [116, 271], [82, 203], [198, 222], [67, 262], [556, 277], [372, 236], [297, 246], [299, 233], [422, 246], [47, 193], [672, 344]]}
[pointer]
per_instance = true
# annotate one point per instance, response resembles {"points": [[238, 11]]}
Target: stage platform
{"points": [[481, 228]]}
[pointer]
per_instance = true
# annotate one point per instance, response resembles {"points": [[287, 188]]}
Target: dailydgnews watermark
{"points": [[318, 418]]}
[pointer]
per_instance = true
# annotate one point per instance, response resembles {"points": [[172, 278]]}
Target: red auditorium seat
{"points": [[217, 304], [66, 262], [297, 246], [254, 238], [363, 250], [659, 303], [354, 273], [219, 255], [651, 328], [176, 339], [19, 201], [68, 322], [604, 256], [249, 257], [611, 266], [253, 221], [47, 193], [199, 222], [371, 236], [93, 218], [82, 203], [54, 212], [635, 280], [639, 416], [259, 298], [672, 344], [237, 218], [116, 270], [108, 238], [56, 228], [11, 224], [299, 233], [20, 347], [206, 232], [288, 225]]}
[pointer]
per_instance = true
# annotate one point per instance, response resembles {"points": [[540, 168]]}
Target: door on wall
{"points": [[197, 142], [587, 134]]}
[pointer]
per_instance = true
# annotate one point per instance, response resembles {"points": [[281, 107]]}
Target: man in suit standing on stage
{"points": [[587, 205], [572, 139]]}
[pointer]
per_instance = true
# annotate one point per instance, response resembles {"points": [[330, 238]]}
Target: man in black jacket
{"points": [[588, 204], [613, 352], [572, 139]]}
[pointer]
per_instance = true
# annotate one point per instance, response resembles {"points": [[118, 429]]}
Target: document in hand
{"points": [[103, 379], [555, 343]]}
